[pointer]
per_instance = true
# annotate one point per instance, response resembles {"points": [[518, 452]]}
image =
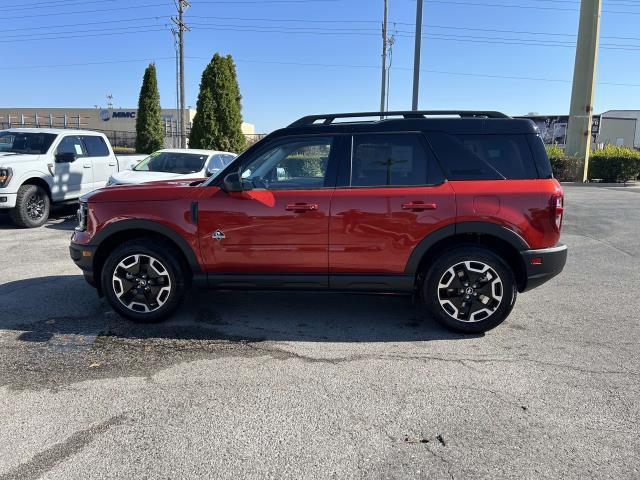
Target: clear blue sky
{"points": [[297, 57]]}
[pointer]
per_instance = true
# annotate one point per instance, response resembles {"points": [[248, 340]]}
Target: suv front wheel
{"points": [[470, 289], [143, 281]]}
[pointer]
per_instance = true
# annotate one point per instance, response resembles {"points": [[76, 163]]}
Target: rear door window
{"points": [[483, 157], [96, 146], [381, 160]]}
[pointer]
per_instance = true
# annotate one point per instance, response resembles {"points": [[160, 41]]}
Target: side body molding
{"points": [[152, 226], [486, 228]]}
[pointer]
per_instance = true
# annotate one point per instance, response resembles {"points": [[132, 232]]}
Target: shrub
{"points": [[615, 164], [565, 169]]}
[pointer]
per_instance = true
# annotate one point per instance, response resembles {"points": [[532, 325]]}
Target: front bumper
{"points": [[542, 265], [82, 255], [8, 200]]}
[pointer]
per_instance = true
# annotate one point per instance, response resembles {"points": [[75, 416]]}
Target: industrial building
{"points": [[119, 124], [613, 127]]}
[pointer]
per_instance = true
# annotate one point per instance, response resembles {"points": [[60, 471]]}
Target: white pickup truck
{"points": [[41, 166]]}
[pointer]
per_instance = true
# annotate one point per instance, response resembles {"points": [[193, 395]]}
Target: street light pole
{"points": [[416, 57]]}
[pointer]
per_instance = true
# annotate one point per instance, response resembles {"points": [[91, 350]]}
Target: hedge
{"points": [[610, 164], [615, 164]]}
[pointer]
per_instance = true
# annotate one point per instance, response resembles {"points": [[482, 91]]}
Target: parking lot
{"points": [[295, 385]]}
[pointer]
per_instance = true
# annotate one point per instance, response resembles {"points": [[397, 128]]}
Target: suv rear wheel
{"points": [[143, 281], [470, 289], [32, 207]]}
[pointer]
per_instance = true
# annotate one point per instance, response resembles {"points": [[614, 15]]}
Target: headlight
{"points": [[5, 176], [82, 217]]}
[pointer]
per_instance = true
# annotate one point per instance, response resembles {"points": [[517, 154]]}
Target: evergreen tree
{"points": [[149, 135], [218, 121], [203, 132]]}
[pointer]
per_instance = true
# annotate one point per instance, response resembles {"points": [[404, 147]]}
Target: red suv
{"points": [[460, 208]]}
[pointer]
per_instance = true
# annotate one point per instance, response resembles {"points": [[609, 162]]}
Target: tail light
{"points": [[557, 210]]}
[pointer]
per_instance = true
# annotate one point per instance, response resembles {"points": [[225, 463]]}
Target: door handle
{"points": [[86, 165], [419, 206], [301, 207], [112, 164]]}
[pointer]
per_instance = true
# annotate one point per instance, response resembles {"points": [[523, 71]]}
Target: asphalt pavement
{"points": [[295, 385]]}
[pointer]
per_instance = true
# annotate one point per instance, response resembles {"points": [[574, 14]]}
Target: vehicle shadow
{"points": [[61, 217], [73, 308]]}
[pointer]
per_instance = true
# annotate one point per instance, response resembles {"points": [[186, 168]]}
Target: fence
{"points": [[43, 121], [117, 138]]}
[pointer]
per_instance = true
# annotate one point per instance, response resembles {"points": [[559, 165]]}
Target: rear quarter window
{"points": [[483, 157], [540, 156]]}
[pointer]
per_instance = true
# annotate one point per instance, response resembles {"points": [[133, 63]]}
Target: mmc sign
{"points": [[106, 115]]}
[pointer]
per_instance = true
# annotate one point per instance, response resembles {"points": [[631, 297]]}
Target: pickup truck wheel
{"points": [[143, 281], [470, 289], [32, 207]]}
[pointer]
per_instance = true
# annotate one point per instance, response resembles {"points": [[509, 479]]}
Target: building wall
{"points": [[614, 127], [117, 119]]}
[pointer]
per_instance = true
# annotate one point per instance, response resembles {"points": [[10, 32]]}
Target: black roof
{"points": [[449, 121]]}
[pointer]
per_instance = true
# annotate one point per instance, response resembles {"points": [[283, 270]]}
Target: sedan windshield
{"points": [[172, 162], [22, 142]]}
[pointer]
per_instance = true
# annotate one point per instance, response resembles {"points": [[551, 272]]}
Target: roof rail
{"points": [[330, 117]]}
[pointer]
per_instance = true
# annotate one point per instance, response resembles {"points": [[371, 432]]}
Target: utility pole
{"points": [[416, 56], [177, 139], [384, 58], [584, 78], [182, 5], [392, 40]]}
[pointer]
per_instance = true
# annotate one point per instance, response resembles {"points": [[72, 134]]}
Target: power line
{"points": [[86, 11], [433, 36], [163, 26], [306, 64], [53, 4], [529, 7], [103, 22], [322, 31], [313, 21], [86, 35]]}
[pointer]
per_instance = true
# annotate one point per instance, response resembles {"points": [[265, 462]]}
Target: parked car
{"points": [[42, 166], [128, 161], [171, 164], [462, 212]]}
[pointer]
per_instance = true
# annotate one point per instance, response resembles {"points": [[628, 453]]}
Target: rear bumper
{"points": [[82, 256], [543, 264]]}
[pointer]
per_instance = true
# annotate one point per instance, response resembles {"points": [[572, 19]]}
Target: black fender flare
{"points": [[484, 228], [152, 226]]}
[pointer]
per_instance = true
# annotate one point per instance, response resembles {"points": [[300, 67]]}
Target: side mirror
{"points": [[65, 157], [232, 183], [210, 172]]}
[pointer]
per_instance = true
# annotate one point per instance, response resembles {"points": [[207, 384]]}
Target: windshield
{"points": [[172, 162], [22, 142]]}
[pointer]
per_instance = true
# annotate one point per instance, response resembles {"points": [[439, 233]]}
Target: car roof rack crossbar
{"points": [[330, 117]]}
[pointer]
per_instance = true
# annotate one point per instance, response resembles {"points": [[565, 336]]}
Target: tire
{"points": [[470, 289], [144, 280], [32, 207]]}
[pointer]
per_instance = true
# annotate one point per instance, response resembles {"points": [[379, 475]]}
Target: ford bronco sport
{"points": [[460, 208]]}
